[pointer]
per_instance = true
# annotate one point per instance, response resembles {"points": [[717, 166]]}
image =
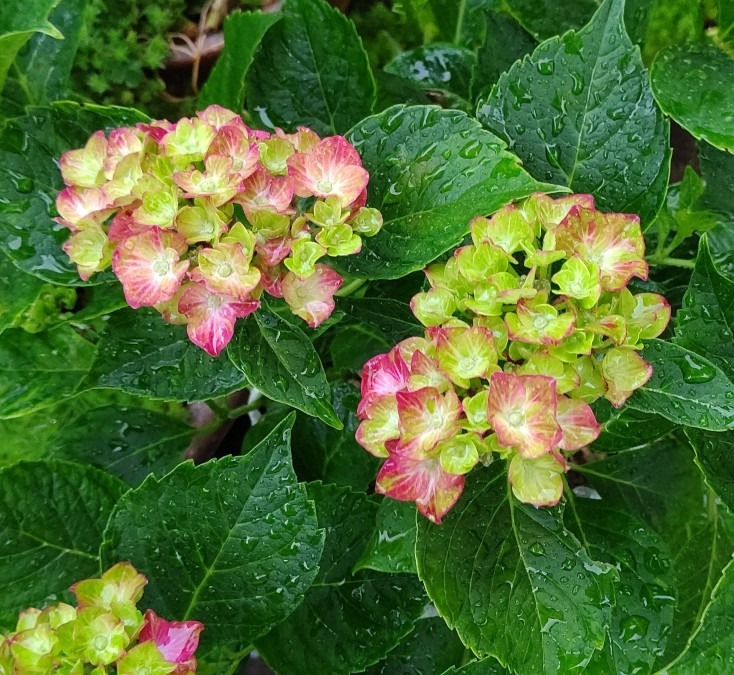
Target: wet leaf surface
{"points": [[391, 547]]}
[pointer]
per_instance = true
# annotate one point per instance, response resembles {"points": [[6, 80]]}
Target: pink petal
{"points": [[421, 481], [211, 316], [233, 142], [427, 417], [522, 411], [83, 167], [148, 266], [124, 226], [384, 374], [176, 640], [273, 251], [578, 424], [218, 117], [262, 191], [312, 298], [75, 204], [271, 279]]}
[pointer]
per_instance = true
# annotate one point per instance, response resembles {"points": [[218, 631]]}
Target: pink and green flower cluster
{"points": [[105, 633], [525, 327], [198, 218]]}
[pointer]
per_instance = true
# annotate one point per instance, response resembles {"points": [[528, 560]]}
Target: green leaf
{"points": [[233, 543], [715, 457], [545, 18], [52, 518], [488, 666], [512, 581], [717, 169], [626, 427], [129, 443], [579, 112], [388, 320], [30, 148], [18, 291], [42, 68], [671, 22], [431, 172], [506, 42], [659, 484], [644, 598], [692, 84], [347, 621], [455, 21], [330, 455], [711, 648], [277, 358], [685, 388], [41, 369], [18, 21], [437, 67], [311, 70], [141, 354], [431, 648], [391, 548], [705, 323], [243, 33]]}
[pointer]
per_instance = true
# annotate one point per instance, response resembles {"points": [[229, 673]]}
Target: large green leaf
{"points": [[18, 21], [671, 22], [387, 320], [30, 148], [711, 649], [311, 70], [233, 543], [685, 388], [431, 648], [715, 456], [579, 112], [391, 548], [437, 67], [141, 354], [18, 291], [512, 581], [277, 358], [692, 84], [705, 323], [432, 171], [347, 621], [41, 369], [454, 21], [545, 18], [644, 598], [52, 518], [41, 70], [243, 32], [331, 455], [658, 483], [626, 427], [127, 442]]}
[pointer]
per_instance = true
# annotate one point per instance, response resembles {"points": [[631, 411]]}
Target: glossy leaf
{"points": [[685, 388], [436, 67], [458, 22], [488, 666], [41, 369], [331, 455], [626, 427], [243, 33], [705, 323], [391, 547], [711, 650], [692, 84], [41, 70], [672, 22], [52, 518], [127, 442], [512, 581], [431, 648], [431, 172], [322, 79], [232, 543], [715, 456], [277, 358], [347, 621], [18, 22], [644, 598], [30, 148], [141, 354], [579, 112], [18, 290]]}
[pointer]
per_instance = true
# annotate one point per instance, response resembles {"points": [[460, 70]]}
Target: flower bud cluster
{"points": [[525, 327], [198, 218], [105, 633]]}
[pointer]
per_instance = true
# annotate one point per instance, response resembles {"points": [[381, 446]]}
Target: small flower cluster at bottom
{"points": [[105, 633], [525, 327], [198, 218]]}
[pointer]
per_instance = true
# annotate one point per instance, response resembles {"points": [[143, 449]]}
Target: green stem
{"points": [[246, 408], [674, 262], [349, 288]]}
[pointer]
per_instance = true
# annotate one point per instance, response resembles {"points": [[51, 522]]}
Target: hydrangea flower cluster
{"points": [[198, 218], [105, 633], [525, 327]]}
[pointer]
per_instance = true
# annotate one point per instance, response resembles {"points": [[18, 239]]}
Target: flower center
{"points": [[324, 185], [100, 643], [540, 322], [161, 267], [225, 270], [515, 418], [467, 364]]}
